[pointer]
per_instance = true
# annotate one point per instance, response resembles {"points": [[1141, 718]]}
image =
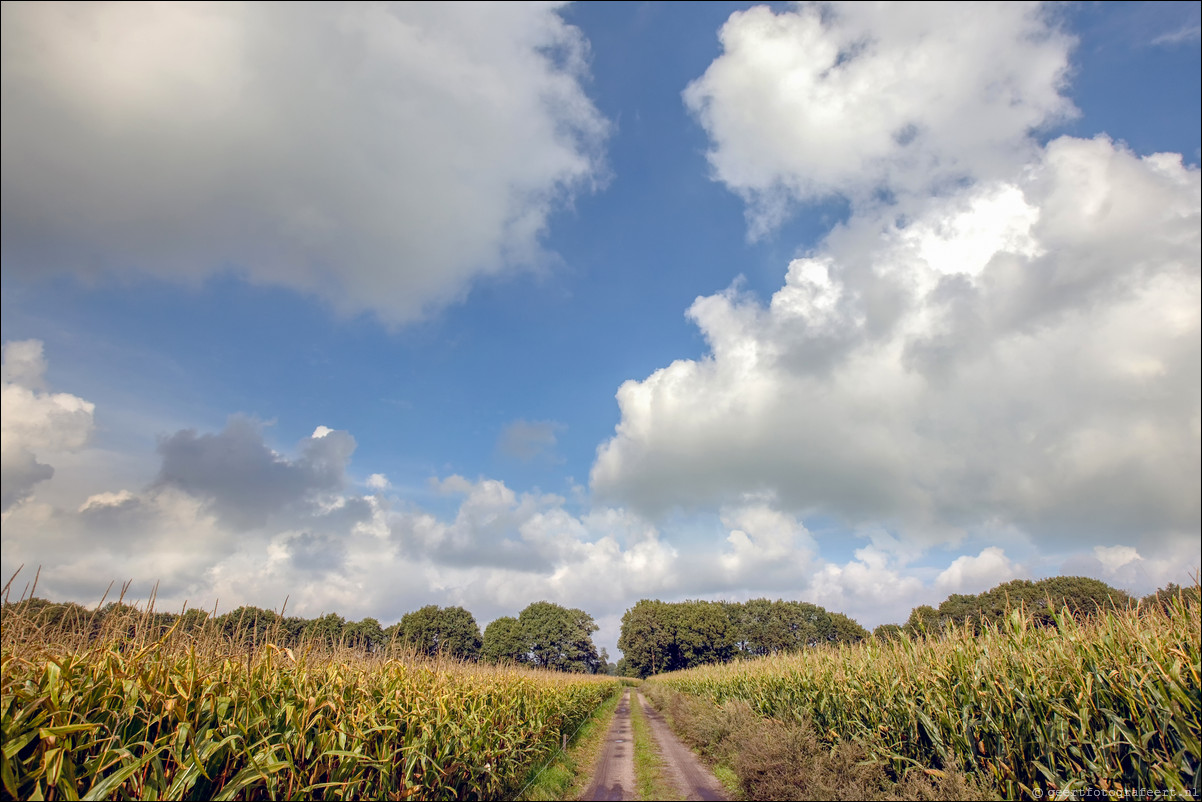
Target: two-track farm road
{"points": [[614, 778]]}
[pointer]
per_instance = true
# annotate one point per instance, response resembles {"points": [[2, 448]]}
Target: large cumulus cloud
{"points": [[380, 155], [847, 98], [1003, 336], [1025, 351]]}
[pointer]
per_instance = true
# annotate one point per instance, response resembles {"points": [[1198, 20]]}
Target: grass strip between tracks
{"points": [[649, 768]]}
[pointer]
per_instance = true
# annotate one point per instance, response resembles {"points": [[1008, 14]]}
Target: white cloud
{"points": [[974, 575], [379, 156], [1115, 557], [1125, 567], [847, 98], [34, 422], [378, 481], [1025, 352], [1184, 34], [872, 588], [382, 556], [765, 544]]}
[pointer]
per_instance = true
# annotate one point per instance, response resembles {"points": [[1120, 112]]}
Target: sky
{"points": [[369, 307]]}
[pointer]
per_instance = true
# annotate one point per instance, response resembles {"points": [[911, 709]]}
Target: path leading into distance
{"points": [[614, 777]]}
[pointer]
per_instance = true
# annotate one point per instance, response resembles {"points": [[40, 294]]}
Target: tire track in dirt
{"points": [[613, 779], [692, 779]]}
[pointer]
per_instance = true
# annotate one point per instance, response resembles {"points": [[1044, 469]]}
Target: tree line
{"points": [[543, 635], [1041, 600], [659, 636], [656, 636]]}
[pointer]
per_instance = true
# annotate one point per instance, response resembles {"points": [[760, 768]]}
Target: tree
{"points": [[503, 642], [658, 637], [1041, 600], [559, 638], [924, 620], [817, 624], [193, 620], [1169, 595], [845, 630], [450, 631], [292, 630], [325, 631], [700, 633], [959, 610], [1081, 595], [755, 622], [248, 626], [888, 632], [647, 632], [366, 634]]}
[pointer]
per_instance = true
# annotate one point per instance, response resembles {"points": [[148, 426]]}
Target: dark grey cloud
{"points": [[243, 480]]}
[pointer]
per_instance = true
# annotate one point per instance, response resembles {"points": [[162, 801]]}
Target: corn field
{"points": [[1110, 704], [172, 719]]}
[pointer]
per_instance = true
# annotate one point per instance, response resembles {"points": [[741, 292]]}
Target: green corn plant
{"points": [[1111, 704], [166, 717]]}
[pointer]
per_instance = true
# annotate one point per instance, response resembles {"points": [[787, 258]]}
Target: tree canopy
{"points": [[503, 642], [657, 636], [559, 638], [446, 631], [1080, 595]]}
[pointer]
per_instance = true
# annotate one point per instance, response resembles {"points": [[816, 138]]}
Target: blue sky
{"points": [[375, 307]]}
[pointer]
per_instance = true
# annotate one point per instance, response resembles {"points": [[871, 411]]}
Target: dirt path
{"points": [[692, 779], [614, 779]]}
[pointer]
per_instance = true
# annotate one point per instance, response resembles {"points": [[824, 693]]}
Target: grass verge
{"points": [[566, 775], [649, 768], [711, 757]]}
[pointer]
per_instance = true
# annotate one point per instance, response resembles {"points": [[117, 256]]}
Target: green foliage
{"points": [[326, 630], [503, 642], [366, 635], [658, 637], [248, 626], [923, 619], [559, 638], [193, 620], [645, 637], [449, 631], [845, 630], [1081, 596], [888, 632], [1167, 596]]}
